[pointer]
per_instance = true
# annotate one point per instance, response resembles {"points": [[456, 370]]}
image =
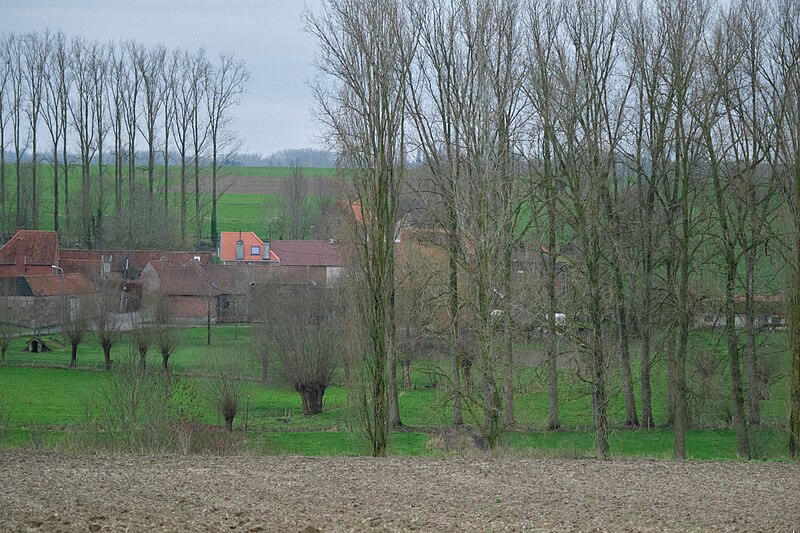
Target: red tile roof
{"points": [[236, 278], [51, 285], [186, 280], [34, 247], [227, 246], [139, 258], [309, 253]]}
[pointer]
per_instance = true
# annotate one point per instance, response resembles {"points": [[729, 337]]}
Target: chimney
{"points": [[266, 250], [21, 256]]}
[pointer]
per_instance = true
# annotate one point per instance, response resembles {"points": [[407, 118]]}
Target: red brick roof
{"points": [[237, 278], [34, 247], [139, 258], [309, 253], [227, 246], [51, 285], [186, 280], [87, 267]]}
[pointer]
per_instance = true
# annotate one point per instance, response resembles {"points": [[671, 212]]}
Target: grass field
{"points": [[250, 212], [41, 401]]}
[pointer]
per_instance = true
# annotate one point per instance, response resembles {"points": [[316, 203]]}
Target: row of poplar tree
{"points": [[649, 148], [71, 102]]}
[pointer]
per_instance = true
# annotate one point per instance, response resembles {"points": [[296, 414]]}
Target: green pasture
{"points": [[41, 401], [251, 212]]}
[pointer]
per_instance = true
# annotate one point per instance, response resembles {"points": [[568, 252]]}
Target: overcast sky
{"points": [[267, 34]]}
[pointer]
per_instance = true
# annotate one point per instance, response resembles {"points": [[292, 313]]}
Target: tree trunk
{"points": [[107, 355], [183, 197], [794, 417], [214, 232], [311, 396], [264, 366], [73, 361], [646, 328], [55, 187], [737, 392], [198, 220], [407, 384], [143, 359], [750, 354], [508, 346], [165, 364], [455, 358], [631, 418], [229, 423], [208, 323]]}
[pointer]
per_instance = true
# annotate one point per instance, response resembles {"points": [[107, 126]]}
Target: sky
{"points": [[276, 112]]}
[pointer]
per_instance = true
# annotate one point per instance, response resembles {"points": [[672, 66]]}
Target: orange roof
{"points": [[252, 243], [358, 212]]}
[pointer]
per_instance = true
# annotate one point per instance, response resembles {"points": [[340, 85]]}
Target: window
{"points": [[255, 250]]}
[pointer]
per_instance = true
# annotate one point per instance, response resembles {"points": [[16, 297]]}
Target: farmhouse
{"points": [[192, 296], [317, 262], [43, 301], [243, 247], [29, 253]]}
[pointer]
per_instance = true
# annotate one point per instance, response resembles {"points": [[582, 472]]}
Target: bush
{"points": [[139, 410]]}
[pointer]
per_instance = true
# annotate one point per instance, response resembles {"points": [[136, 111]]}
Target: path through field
{"points": [[54, 492]]}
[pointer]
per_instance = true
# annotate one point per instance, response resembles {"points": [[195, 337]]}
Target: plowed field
{"points": [[55, 492]]}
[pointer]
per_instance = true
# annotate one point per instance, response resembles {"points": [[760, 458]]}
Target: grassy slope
{"points": [[39, 396]]}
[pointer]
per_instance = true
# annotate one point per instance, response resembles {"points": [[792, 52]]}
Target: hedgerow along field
{"points": [[43, 403]]}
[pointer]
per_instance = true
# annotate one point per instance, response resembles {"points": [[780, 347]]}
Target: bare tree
{"points": [[296, 215], [142, 338], [56, 109], [184, 109], [225, 84], [200, 70], [106, 321], [36, 49], [99, 64], [16, 95], [83, 122], [165, 335], [303, 333], [169, 81], [434, 111], [543, 21], [784, 85], [5, 76], [651, 112], [117, 73], [75, 328], [225, 387], [130, 105], [7, 334], [366, 51]]}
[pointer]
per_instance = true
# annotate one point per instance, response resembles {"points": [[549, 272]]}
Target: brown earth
{"points": [[55, 492]]}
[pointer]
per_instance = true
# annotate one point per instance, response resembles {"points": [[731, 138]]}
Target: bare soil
{"points": [[55, 492]]}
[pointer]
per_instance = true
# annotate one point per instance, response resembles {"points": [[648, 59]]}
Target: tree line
{"points": [[61, 96], [645, 153]]}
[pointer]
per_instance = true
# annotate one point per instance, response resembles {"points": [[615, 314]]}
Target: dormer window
{"points": [[255, 250]]}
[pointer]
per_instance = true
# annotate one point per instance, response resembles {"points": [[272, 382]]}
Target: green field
{"points": [[43, 403], [249, 212]]}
